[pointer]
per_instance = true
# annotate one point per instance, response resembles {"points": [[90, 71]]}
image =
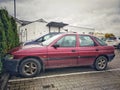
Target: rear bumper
{"points": [[111, 57], [11, 66]]}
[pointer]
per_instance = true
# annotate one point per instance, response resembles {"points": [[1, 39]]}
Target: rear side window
{"points": [[101, 42], [86, 41]]}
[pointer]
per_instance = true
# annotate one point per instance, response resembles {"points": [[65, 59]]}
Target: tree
{"points": [[108, 35], [3, 44], [8, 33], [5, 19], [14, 28], [3, 41]]}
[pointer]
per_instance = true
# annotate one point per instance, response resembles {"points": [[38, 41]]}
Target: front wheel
{"points": [[100, 63], [29, 67]]}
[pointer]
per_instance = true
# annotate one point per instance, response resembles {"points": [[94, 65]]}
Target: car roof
{"points": [[68, 33]]}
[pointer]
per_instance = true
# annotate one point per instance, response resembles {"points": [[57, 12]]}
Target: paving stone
{"points": [[108, 80]]}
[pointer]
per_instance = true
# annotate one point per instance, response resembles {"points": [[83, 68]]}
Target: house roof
{"points": [[17, 20], [40, 20], [56, 24], [24, 22]]}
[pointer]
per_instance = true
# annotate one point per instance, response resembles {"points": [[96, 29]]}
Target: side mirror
{"points": [[56, 45]]}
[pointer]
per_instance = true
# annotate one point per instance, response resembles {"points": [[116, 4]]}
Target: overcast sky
{"points": [[103, 15]]}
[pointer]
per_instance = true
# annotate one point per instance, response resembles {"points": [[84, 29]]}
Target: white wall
{"points": [[34, 30], [18, 29]]}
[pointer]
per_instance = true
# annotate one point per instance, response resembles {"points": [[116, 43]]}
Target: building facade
{"points": [[32, 30]]}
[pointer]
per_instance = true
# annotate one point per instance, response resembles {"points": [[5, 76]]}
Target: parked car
{"points": [[62, 50], [113, 41], [41, 39]]}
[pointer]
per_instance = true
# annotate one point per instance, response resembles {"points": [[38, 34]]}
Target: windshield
{"points": [[47, 42]]}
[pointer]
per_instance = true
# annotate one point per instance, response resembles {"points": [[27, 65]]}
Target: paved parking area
{"points": [[105, 80], [73, 80], [112, 65]]}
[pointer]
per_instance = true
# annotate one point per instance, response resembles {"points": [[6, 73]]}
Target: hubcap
{"points": [[101, 63], [30, 68]]}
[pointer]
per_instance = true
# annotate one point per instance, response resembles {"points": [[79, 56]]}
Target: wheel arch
{"points": [[101, 55], [94, 63], [35, 57]]}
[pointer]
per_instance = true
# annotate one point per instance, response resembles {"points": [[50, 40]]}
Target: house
{"points": [[30, 30]]}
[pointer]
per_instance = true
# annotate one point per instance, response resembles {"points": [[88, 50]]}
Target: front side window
{"points": [[67, 41], [86, 41]]}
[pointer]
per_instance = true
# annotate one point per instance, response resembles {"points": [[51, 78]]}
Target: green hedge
{"points": [[8, 33], [0, 66]]}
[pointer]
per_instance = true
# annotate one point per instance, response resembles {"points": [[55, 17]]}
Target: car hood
{"points": [[28, 49]]}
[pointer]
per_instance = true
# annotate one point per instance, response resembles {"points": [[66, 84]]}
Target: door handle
{"points": [[97, 49], [73, 50]]}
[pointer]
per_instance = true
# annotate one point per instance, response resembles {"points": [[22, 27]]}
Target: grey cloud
{"points": [[4, 1], [116, 20], [101, 14]]}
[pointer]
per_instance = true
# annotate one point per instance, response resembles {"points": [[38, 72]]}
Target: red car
{"points": [[62, 50]]}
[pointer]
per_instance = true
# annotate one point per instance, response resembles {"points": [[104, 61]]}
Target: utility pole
{"points": [[15, 9]]}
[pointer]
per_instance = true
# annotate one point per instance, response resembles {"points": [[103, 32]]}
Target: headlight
{"points": [[9, 57]]}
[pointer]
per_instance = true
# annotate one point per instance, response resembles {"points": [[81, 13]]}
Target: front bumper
{"points": [[11, 66], [111, 57]]}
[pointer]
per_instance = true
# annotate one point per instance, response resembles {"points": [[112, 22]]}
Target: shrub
{"points": [[8, 33]]}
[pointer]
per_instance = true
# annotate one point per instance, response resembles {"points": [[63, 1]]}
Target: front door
{"points": [[65, 54]]}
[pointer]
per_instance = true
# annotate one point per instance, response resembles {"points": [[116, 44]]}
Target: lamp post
{"points": [[15, 9]]}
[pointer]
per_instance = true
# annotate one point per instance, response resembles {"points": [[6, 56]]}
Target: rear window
{"points": [[101, 42]]}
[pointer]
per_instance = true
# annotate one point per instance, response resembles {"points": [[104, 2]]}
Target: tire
{"points": [[101, 63], [30, 67]]}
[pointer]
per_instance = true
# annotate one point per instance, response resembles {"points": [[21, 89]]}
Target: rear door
{"points": [[65, 55], [87, 49]]}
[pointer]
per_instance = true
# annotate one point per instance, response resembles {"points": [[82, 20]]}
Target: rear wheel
{"points": [[100, 63], [29, 67]]}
